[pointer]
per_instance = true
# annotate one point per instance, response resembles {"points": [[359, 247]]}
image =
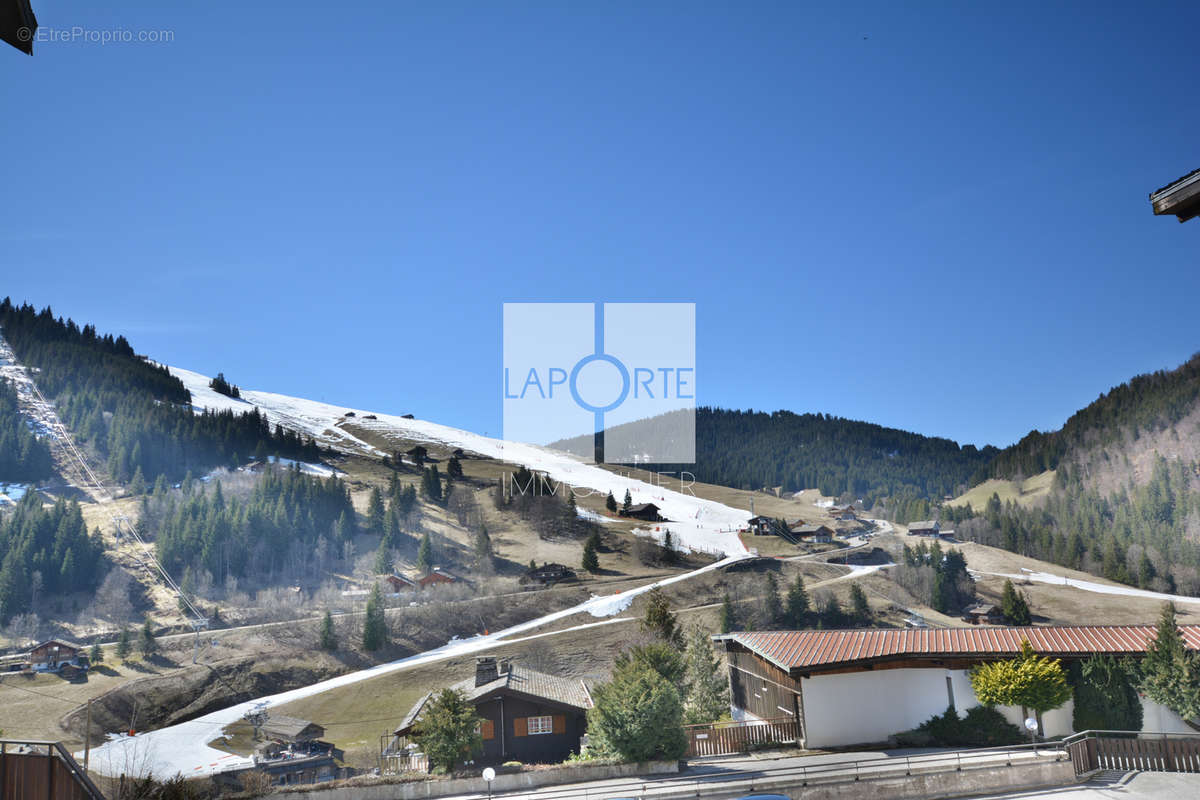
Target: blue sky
{"points": [[942, 226]]}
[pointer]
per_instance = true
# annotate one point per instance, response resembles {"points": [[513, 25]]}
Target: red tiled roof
{"points": [[825, 649]]}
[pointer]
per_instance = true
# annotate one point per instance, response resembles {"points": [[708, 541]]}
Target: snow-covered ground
{"points": [[184, 748], [697, 524], [1090, 586]]}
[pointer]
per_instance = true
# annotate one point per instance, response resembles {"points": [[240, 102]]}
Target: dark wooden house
{"points": [[54, 654], [813, 532], [643, 511], [984, 614], [548, 574], [927, 527], [437, 576], [761, 526], [398, 583], [527, 716], [291, 730]]}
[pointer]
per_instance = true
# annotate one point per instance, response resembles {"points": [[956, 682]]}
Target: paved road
{"points": [[1110, 786]]}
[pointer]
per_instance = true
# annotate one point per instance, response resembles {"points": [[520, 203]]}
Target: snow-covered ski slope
{"points": [[184, 748], [697, 524]]}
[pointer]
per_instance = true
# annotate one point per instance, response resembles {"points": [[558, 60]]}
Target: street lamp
{"points": [[489, 775], [1032, 726]]}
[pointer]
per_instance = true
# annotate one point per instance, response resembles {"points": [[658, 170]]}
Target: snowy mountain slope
{"points": [[184, 748], [697, 524]]}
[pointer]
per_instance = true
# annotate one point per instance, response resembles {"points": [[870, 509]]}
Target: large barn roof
{"points": [[827, 650]]}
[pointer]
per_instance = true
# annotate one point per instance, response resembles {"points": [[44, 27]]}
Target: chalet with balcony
{"points": [[528, 716]]}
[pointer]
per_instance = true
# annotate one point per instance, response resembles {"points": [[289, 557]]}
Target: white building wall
{"points": [[864, 707], [1160, 719], [869, 706]]}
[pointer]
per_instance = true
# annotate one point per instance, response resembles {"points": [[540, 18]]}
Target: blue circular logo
{"points": [[583, 362]]}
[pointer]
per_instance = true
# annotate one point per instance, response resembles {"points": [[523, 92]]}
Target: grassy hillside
{"points": [[1117, 487], [1022, 492]]}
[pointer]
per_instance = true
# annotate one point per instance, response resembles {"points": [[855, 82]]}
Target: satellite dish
{"points": [[1031, 724], [489, 774]]}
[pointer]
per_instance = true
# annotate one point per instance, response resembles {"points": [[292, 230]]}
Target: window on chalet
{"points": [[541, 725]]}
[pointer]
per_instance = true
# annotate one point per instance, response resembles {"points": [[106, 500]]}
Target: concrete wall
{"points": [[416, 790], [865, 707], [1160, 719], [926, 786]]}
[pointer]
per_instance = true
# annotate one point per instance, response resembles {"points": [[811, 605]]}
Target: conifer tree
{"points": [[147, 643], [610, 503], [383, 561], [659, 618], [796, 606], [591, 561], [1014, 606], [772, 607], [484, 557], [708, 694], [124, 644], [1170, 672], [375, 632], [96, 654], [328, 638], [425, 555], [375, 512], [627, 503], [728, 619], [860, 609]]}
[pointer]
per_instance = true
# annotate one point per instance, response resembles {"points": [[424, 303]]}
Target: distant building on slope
{"points": [[929, 527], [647, 512], [813, 532]]}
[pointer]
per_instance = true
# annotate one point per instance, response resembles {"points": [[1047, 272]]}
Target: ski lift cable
{"points": [[103, 496]]}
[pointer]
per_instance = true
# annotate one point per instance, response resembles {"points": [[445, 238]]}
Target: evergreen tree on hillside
{"points": [[610, 503], [124, 644], [796, 606], [484, 557], [728, 617], [96, 653], [627, 503], [147, 642], [659, 618], [860, 609], [591, 561], [327, 639], [222, 386], [375, 631], [454, 469], [1014, 606], [375, 512], [425, 555]]}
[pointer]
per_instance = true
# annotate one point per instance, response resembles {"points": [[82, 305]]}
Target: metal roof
{"points": [[814, 650], [289, 727]]}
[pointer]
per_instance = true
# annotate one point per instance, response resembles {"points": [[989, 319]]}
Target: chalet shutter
{"points": [[560, 723], [520, 726], [487, 729]]}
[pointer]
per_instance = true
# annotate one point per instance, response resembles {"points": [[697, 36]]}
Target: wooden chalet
{"points": [[813, 532], [643, 511], [929, 527], [53, 655], [1180, 197], [527, 716], [761, 526], [548, 574], [291, 730], [436, 576], [398, 583], [983, 614]]}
